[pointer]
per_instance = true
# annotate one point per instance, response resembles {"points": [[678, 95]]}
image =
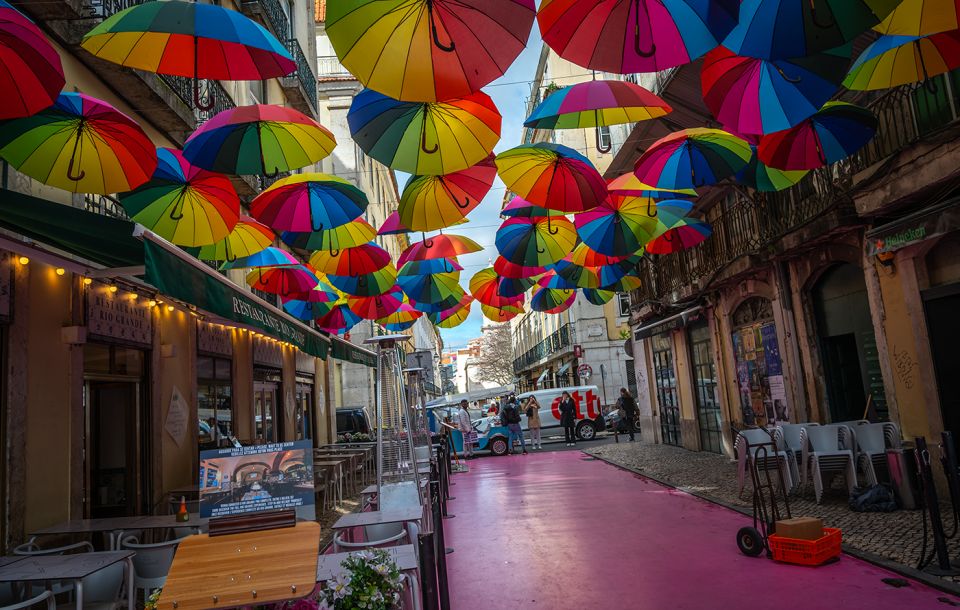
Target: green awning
{"points": [[344, 350]]}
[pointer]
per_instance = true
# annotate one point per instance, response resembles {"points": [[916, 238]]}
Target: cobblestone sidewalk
{"points": [[893, 536]]}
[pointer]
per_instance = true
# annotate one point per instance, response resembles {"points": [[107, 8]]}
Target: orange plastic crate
{"points": [[806, 552]]}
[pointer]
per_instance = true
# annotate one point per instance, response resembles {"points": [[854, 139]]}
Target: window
{"points": [[258, 92], [623, 300], [214, 401], [604, 137], [304, 410]]}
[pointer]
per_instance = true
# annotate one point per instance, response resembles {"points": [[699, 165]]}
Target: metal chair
{"points": [[46, 597], [151, 564], [103, 590], [31, 548]]}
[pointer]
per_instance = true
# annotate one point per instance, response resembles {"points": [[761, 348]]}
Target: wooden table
{"points": [[52, 568], [117, 525], [357, 459], [328, 567]]}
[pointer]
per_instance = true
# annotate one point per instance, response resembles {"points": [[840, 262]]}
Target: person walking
{"points": [[568, 418], [532, 410], [510, 416], [628, 405], [466, 429]]}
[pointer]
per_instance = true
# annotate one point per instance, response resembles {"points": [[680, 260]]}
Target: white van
{"points": [[585, 397]]}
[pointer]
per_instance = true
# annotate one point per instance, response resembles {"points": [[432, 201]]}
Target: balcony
{"points": [[301, 86], [563, 338], [105, 205], [271, 12], [329, 66]]}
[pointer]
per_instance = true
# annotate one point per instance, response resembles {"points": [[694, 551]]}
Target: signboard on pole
{"points": [[585, 371]]}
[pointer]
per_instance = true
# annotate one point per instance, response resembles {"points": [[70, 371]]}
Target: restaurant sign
{"points": [[931, 222], [116, 315]]}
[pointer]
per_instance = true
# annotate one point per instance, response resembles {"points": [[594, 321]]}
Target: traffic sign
{"points": [[584, 371]]}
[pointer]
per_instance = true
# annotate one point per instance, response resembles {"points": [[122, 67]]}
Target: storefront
{"points": [[705, 387], [215, 409], [665, 382]]}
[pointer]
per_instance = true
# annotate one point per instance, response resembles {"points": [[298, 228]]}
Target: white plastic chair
{"points": [[829, 449], [31, 548], [873, 441], [375, 536], [745, 458], [45, 597], [793, 444], [103, 590], [151, 564]]}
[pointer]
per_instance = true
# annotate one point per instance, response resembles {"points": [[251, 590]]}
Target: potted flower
{"points": [[370, 581]]}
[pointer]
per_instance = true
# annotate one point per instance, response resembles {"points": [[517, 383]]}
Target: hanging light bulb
{"points": [[23, 260], [61, 271]]}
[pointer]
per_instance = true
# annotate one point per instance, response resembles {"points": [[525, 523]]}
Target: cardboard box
{"points": [[801, 528]]}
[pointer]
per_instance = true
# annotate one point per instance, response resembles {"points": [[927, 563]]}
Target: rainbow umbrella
{"points": [[32, 74], [358, 260], [524, 209], [366, 284], [618, 226], [284, 280], [834, 133], [392, 225], [190, 39], [439, 246], [671, 212], [552, 300], [761, 177], [535, 242], [584, 256], [377, 306], [339, 319], [430, 266], [552, 176], [185, 205], [258, 139], [691, 158], [598, 296], [321, 293], [514, 287], [247, 237], [405, 314], [891, 61], [484, 286], [354, 233], [425, 138], [432, 288], [552, 281], [505, 268], [780, 29], [578, 276], [428, 50], [626, 36], [434, 202], [685, 234], [399, 327], [921, 18], [444, 304], [267, 257], [757, 96], [307, 310], [454, 316], [500, 314], [309, 202], [630, 185], [624, 284], [80, 144]]}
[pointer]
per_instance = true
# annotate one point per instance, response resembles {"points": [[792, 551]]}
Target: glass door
{"points": [[265, 411], [705, 385], [303, 415], [666, 383]]}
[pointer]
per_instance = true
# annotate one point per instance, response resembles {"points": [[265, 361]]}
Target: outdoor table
{"points": [[356, 460], [8, 559], [53, 568], [117, 525], [328, 566], [379, 517], [333, 465]]}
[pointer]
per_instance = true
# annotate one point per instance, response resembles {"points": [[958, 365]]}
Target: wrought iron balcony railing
{"points": [[329, 66], [560, 339], [105, 205], [304, 72], [272, 11]]}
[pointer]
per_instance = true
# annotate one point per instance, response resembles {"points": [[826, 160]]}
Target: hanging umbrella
{"points": [[439, 246], [358, 260], [514, 287], [683, 235], [484, 287], [891, 61], [405, 314], [627, 36], [432, 288], [671, 212], [247, 237], [624, 284], [535, 242], [444, 304], [921, 18], [435, 202], [597, 296], [425, 138], [32, 75], [190, 39], [756, 96], [761, 177], [80, 144], [630, 185], [834, 133], [453, 317], [307, 310], [339, 319], [691, 158], [321, 293], [308, 202], [267, 257], [393, 226], [619, 226], [378, 306], [430, 266], [366, 284], [258, 139], [552, 176], [505, 268], [577, 276], [500, 314], [780, 29], [284, 280], [185, 205], [550, 300], [428, 50], [524, 209], [354, 233], [584, 256]]}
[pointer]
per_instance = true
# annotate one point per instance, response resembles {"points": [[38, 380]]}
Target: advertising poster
{"points": [[771, 349], [241, 480]]}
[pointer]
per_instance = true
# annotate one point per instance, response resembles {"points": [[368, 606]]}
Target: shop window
{"points": [[623, 301], [303, 415], [214, 402], [667, 397]]}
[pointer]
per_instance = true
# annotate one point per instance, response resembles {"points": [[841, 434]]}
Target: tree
{"points": [[495, 362]]}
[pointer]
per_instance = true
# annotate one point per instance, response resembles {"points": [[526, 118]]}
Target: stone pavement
{"points": [[895, 537]]}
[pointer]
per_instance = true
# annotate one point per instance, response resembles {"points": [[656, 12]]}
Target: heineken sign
{"points": [[936, 220]]}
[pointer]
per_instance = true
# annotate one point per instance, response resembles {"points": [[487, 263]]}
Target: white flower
{"points": [[341, 586]]}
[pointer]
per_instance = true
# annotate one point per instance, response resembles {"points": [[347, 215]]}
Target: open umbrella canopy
{"points": [[321, 293], [500, 314], [891, 61], [267, 257], [505, 268], [627, 36], [435, 202], [366, 284], [671, 212], [514, 287], [552, 281], [921, 18], [354, 233], [425, 138], [439, 246], [619, 226], [520, 208], [630, 185], [405, 314], [432, 288], [685, 234], [484, 286], [185, 205], [761, 177], [624, 284], [358, 260], [309, 202], [596, 103], [552, 176], [756, 96], [780, 29], [339, 319], [552, 300], [454, 316], [691, 158], [451, 300], [598, 296], [80, 144], [832, 134], [307, 310], [32, 75], [284, 280], [590, 277], [259, 139], [535, 242], [392, 225], [585, 256], [247, 237], [377, 306], [430, 266]]}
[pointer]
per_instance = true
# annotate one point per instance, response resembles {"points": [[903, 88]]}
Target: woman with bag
{"points": [[532, 411], [568, 418]]}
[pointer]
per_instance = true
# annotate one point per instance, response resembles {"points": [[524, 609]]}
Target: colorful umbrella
{"points": [[484, 286], [80, 144], [428, 50], [834, 133], [552, 176], [247, 237], [671, 212], [453, 317], [551, 281], [761, 177], [358, 260], [185, 205], [524, 209], [393, 226], [307, 310], [629, 184], [308, 202], [378, 306], [624, 284], [258, 139], [691, 158], [444, 304], [432, 288], [435, 202], [267, 257], [921, 18], [535, 242], [756, 96], [514, 287], [425, 138], [597, 296], [285, 280], [367, 284], [31, 73], [619, 226], [430, 266], [891, 61], [339, 319], [577, 276], [584, 256], [500, 314], [626, 36], [321, 293], [190, 39], [781, 29], [552, 300], [354, 233], [505, 268], [681, 236], [439, 246], [405, 314]]}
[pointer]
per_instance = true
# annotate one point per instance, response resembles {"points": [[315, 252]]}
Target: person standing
{"points": [[629, 407], [510, 417], [466, 429], [568, 418], [533, 422]]}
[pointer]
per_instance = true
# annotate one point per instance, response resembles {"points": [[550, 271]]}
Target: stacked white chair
{"points": [[747, 447], [828, 449]]}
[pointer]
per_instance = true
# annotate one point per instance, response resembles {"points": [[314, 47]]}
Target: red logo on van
{"points": [[592, 404]]}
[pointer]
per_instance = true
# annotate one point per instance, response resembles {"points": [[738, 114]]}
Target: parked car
{"points": [[586, 398], [353, 420]]}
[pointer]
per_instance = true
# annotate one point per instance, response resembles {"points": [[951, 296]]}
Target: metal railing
{"points": [[105, 205], [329, 66], [560, 339], [276, 17], [304, 72]]}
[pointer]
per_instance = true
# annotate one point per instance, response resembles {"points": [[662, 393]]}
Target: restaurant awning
{"points": [[931, 221], [668, 323], [543, 376], [563, 369]]}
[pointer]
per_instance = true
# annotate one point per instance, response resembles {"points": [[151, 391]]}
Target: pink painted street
{"points": [[561, 530]]}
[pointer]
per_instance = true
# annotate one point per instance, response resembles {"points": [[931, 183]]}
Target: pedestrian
{"points": [[494, 408], [532, 409], [628, 405], [568, 418], [466, 429], [510, 417]]}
